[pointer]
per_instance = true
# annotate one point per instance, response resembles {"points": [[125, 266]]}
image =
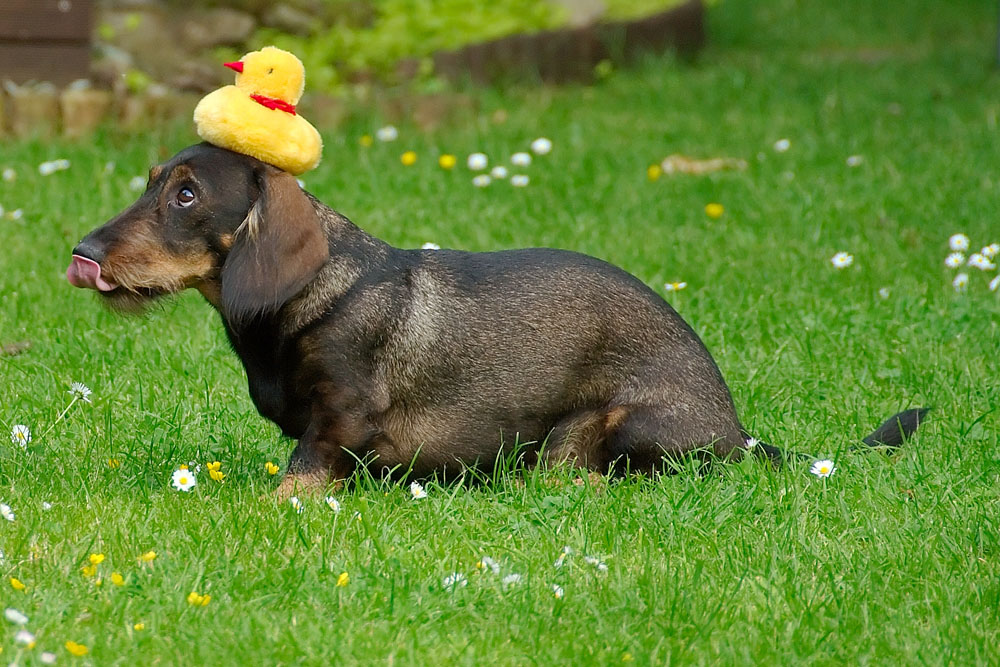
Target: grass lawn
{"points": [[890, 560]]}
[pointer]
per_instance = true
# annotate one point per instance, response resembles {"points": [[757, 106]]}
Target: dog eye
{"points": [[185, 197]]}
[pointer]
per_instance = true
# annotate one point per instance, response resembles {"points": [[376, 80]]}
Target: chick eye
{"points": [[185, 197], [270, 71]]}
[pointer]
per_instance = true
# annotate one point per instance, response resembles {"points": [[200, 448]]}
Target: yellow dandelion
{"points": [[16, 584], [89, 570], [114, 464], [343, 579], [96, 559], [408, 158], [447, 161], [366, 140], [217, 475], [214, 465], [714, 210], [627, 657], [271, 468], [117, 579], [98, 582], [182, 466], [148, 557], [653, 172], [139, 627], [76, 649]]}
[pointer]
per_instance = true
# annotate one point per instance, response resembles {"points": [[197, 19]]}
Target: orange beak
{"points": [[236, 66]]}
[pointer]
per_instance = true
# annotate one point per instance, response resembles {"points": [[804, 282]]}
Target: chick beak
{"points": [[236, 66]]}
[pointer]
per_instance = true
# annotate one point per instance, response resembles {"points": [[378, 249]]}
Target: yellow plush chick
{"points": [[257, 116]]}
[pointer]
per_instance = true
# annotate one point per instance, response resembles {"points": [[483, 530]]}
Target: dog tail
{"points": [[892, 434]]}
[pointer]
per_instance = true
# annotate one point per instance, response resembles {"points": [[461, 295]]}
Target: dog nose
{"points": [[88, 250]]}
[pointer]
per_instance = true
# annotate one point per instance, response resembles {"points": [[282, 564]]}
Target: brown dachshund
{"points": [[412, 361]]}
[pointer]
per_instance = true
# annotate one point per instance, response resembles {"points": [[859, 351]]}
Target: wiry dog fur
{"points": [[435, 359]]}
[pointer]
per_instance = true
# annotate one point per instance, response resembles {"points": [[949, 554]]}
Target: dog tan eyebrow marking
{"points": [[154, 172]]}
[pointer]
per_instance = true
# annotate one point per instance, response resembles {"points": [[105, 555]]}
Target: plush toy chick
{"points": [[257, 116]]}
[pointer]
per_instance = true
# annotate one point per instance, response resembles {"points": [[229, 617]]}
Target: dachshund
{"points": [[419, 362]]}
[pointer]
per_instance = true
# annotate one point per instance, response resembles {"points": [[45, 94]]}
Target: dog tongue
{"points": [[83, 272]]}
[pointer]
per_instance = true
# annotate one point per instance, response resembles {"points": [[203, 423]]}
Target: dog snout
{"points": [[89, 249], [84, 269]]}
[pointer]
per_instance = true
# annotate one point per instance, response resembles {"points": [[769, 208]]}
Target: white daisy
{"points": [[960, 282], [477, 161], [541, 146], [842, 260], [454, 580], [782, 145], [499, 172], [981, 262], [519, 180], [520, 159], [16, 214], [137, 183], [387, 133], [6, 512], [854, 160], [46, 506], [823, 468], [417, 491], [958, 242], [884, 292], [752, 442], [954, 260], [558, 591], [430, 246], [48, 658], [994, 284], [81, 391], [676, 286], [20, 435], [990, 251], [14, 616], [481, 181], [487, 563], [24, 638], [9, 175], [183, 479], [296, 504], [596, 562], [511, 579], [333, 503]]}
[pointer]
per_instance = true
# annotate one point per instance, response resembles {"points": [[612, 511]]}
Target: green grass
{"points": [[890, 560]]}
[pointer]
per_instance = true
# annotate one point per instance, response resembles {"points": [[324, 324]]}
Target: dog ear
{"points": [[277, 250]]}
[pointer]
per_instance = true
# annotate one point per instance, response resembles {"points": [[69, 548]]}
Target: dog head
{"points": [[240, 231]]}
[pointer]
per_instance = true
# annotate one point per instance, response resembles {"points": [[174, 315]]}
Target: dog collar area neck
{"points": [[274, 103]]}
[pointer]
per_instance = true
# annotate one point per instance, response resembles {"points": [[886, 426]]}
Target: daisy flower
{"points": [[6, 512], [387, 133], [511, 579], [430, 246], [541, 146], [183, 479], [14, 616], [80, 391], [566, 551], [884, 292], [981, 262], [9, 175], [954, 260], [499, 172], [486, 563], [752, 442], [823, 468], [477, 161], [20, 435], [842, 260], [447, 161], [417, 491], [854, 160], [343, 579], [47, 658], [990, 251], [782, 145], [558, 591], [137, 183], [296, 504], [24, 638], [519, 181], [596, 562], [481, 181], [520, 159], [994, 284], [333, 503], [714, 210], [454, 580], [675, 286], [960, 282], [958, 242]]}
